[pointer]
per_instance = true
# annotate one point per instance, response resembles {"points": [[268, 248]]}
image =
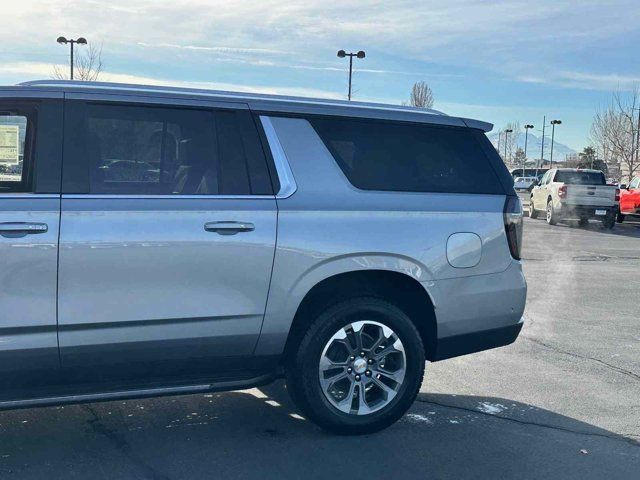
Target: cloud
{"points": [[586, 81], [199, 48], [30, 70]]}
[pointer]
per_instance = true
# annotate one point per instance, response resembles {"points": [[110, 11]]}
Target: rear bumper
{"points": [[478, 312], [585, 211], [477, 341]]}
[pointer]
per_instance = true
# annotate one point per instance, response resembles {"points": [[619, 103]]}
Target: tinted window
{"points": [[580, 178], [16, 134], [378, 155], [124, 149], [634, 184]]}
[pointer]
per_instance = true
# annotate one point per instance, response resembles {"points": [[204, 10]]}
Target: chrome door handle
{"points": [[22, 228], [228, 228]]}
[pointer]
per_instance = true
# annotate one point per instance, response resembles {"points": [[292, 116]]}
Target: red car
{"points": [[630, 199]]}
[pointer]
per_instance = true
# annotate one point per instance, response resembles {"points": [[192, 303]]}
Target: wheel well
{"points": [[402, 290]]}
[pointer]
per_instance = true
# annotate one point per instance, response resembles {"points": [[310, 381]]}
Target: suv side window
{"points": [[17, 125], [379, 155], [634, 184], [149, 150]]}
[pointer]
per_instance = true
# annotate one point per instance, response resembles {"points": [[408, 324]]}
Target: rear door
{"points": [[30, 161], [167, 239]]}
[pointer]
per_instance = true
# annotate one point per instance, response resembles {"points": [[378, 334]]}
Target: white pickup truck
{"points": [[575, 193]]}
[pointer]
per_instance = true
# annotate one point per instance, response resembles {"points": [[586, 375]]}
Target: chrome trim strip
{"points": [[94, 196], [288, 184], [29, 195]]}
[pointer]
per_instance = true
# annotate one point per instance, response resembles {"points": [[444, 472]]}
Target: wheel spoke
{"points": [[388, 391], [396, 376]]}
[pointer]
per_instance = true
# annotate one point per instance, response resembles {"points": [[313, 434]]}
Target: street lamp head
{"points": [[508, 130], [556, 122], [528, 126], [360, 54], [342, 53], [81, 41], [61, 40]]}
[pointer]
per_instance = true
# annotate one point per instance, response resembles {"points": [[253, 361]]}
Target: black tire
{"points": [[533, 213], [609, 222], [552, 216], [302, 369], [619, 218], [583, 222]]}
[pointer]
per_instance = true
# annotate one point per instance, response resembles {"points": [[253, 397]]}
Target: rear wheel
{"points": [[552, 217], [358, 368], [620, 218], [609, 222], [583, 222], [532, 211]]}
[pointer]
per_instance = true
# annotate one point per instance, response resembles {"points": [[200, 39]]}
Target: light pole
{"points": [[342, 54], [553, 131], [506, 133], [72, 42], [526, 135]]}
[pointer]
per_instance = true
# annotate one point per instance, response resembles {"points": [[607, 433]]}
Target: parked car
{"points": [[525, 183], [629, 200], [581, 194], [339, 244]]}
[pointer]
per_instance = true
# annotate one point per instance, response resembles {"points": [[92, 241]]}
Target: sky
{"points": [[497, 61]]}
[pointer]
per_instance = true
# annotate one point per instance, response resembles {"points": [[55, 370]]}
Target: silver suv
{"points": [[158, 241]]}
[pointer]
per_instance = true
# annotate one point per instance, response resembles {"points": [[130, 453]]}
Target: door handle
{"points": [[20, 229], [228, 228]]}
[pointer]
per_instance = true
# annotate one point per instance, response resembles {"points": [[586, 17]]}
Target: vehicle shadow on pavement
{"points": [[258, 434]]}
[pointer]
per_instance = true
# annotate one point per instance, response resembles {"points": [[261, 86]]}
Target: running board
{"points": [[143, 393]]}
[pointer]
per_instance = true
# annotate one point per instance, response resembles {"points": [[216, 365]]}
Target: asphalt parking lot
{"points": [[562, 402]]}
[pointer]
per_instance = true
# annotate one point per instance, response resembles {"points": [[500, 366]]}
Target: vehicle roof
{"points": [[589, 170], [256, 101]]}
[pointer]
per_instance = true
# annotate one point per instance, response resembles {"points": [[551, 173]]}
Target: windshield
{"points": [[580, 178]]}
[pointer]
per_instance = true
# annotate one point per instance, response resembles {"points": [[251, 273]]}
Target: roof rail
{"points": [[76, 84]]}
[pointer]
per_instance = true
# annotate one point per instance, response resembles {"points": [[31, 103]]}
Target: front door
{"points": [[30, 146], [167, 241]]}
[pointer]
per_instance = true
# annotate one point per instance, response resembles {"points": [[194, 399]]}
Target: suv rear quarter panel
{"points": [[328, 227]]}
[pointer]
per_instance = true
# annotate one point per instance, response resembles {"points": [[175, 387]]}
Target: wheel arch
{"points": [[398, 288]]}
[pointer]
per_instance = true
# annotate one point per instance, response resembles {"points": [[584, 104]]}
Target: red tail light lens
{"points": [[513, 225], [617, 194], [562, 191]]}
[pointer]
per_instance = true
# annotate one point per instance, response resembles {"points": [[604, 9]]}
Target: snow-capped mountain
{"points": [[534, 144]]}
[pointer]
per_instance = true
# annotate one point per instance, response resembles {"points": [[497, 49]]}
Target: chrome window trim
{"points": [[29, 195], [288, 185], [160, 197]]}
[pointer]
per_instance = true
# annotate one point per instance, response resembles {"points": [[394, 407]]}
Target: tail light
{"points": [[513, 225], [617, 195], [562, 191]]}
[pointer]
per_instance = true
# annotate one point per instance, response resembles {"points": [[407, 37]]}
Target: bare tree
{"points": [[509, 148], [615, 133], [421, 95], [88, 65]]}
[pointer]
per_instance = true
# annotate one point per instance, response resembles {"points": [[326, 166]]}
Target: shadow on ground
{"points": [[258, 434]]}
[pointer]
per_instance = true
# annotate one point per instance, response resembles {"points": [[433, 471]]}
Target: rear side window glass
{"points": [[580, 178], [124, 149], [16, 155], [378, 155]]}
